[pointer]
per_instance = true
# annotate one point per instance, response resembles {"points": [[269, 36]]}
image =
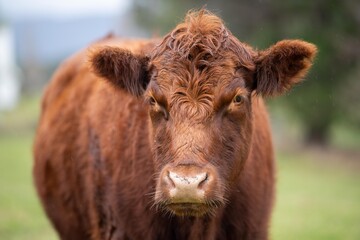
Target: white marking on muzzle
{"points": [[187, 187]]}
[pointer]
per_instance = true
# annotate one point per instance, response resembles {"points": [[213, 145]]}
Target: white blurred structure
{"points": [[9, 84]]}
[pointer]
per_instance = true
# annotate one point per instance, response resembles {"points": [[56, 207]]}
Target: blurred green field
{"points": [[318, 197], [20, 214]]}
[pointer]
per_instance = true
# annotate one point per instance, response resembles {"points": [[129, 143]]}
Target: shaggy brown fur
{"points": [[172, 143]]}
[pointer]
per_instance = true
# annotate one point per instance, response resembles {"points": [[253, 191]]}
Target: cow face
{"points": [[199, 83]]}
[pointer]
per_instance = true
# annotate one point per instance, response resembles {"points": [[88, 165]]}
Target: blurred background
{"points": [[316, 128]]}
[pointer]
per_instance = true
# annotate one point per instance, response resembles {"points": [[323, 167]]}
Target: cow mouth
{"points": [[191, 209]]}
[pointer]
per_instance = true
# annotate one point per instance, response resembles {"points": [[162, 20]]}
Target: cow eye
{"points": [[238, 99], [152, 101]]}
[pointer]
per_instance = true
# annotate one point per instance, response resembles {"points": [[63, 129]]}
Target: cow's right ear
{"points": [[121, 68]]}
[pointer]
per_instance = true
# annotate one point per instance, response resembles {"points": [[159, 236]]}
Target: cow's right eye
{"points": [[157, 110]]}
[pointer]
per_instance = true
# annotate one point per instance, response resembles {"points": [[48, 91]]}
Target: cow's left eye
{"points": [[238, 99], [152, 101]]}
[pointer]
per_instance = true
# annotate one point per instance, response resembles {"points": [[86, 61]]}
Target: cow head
{"points": [[199, 83]]}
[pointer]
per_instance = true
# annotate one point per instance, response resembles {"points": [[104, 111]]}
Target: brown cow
{"points": [[164, 139]]}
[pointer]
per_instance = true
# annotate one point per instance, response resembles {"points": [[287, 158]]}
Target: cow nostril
{"points": [[168, 180], [202, 182]]}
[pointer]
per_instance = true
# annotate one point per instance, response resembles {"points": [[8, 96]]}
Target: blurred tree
{"points": [[333, 25]]}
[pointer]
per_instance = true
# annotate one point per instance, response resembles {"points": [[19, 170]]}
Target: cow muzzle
{"points": [[188, 190]]}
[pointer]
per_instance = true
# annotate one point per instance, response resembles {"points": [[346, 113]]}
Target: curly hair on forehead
{"points": [[202, 35], [201, 31]]}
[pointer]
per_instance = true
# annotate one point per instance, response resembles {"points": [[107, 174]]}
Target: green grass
{"points": [[23, 118], [21, 216], [318, 198]]}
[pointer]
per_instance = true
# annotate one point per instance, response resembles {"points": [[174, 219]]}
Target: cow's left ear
{"points": [[281, 66], [121, 68]]}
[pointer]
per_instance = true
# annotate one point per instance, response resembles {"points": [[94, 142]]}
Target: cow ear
{"points": [[121, 68], [281, 66]]}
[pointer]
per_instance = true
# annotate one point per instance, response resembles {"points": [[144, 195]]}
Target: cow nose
{"points": [[186, 187], [182, 182]]}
